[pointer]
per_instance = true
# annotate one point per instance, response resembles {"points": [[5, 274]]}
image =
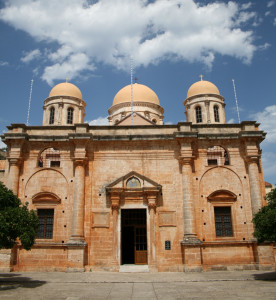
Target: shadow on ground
{"points": [[271, 276], [9, 281]]}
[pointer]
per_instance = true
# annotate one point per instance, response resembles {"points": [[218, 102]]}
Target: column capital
{"points": [[80, 161], [252, 159], [186, 160], [15, 161]]}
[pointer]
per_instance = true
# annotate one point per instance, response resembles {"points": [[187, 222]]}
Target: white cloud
{"points": [[29, 56], [3, 63], [270, 3], [109, 31], [264, 47], [267, 13], [274, 22], [99, 121], [70, 68], [231, 121], [269, 163], [267, 118]]}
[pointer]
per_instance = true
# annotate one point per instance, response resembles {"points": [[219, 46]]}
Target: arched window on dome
{"points": [[217, 155], [52, 116], [216, 113], [70, 114], [198, 114], [154, 121]]}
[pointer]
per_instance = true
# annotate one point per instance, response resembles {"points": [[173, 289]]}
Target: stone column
{"points": [[208, 111], [77, 235], [186, 161], [13, 178], [115, 203], [152, 202], [254, 181]]}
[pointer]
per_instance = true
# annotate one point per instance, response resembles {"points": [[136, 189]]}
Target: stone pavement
{"points": [[142, 286]]}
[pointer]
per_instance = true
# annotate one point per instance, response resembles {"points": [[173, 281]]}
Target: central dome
{"points": [[141, 93], [66, 89], [202, 87]]}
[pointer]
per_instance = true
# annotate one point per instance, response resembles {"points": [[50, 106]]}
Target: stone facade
{"points": [[97, 177]]}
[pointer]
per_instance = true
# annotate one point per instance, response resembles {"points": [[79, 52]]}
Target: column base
{"points": [[76, 255]]}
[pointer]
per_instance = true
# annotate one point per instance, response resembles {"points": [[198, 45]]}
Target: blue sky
{"points": [[172, 42]]}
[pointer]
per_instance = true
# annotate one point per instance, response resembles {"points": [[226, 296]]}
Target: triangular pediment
{"points": [[138, 119], [133, 180]]}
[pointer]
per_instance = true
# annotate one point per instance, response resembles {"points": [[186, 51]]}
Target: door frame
{"points": [[119, 228]]}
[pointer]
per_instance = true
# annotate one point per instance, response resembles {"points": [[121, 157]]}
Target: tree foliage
{"points": [[16, 221], [265, 220]]}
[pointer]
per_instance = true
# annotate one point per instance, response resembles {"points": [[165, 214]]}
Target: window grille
{"points": [[52, 116], [216, 155], [216, 113], [70, 113], [49, 158], [198, 114], [223, 221], [46, 222]]}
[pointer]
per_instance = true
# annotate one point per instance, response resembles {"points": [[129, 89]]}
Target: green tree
{"points": [[16, 221], [265, 220]]}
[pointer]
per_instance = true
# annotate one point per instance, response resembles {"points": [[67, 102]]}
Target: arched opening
{"points": [[52, 116], [49, 158], [198, 114], [154, 121], [216, 113], [70, 114], [133, 182], [217, 155]]}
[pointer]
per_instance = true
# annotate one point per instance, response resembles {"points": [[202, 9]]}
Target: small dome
{"points": [[140, 93], [202, 87], [66, 89]]}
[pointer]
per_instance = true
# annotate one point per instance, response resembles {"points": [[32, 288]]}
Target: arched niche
{"points": [[47, 180], [220, 178]]}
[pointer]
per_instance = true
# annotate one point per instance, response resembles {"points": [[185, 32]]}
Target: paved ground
{"points": [[142, 286]]}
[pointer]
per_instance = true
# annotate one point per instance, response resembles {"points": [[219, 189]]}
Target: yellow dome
{"points": [[140, 93], [202, 87], [66, 89]]}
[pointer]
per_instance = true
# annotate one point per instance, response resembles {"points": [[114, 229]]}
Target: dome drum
{"points": [[64, 106]]}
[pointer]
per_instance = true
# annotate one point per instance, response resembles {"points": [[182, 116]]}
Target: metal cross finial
{"points": [[135, 79], [201, 76]]}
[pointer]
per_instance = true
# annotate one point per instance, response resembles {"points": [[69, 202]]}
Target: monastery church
{"points": [[138, 193]]}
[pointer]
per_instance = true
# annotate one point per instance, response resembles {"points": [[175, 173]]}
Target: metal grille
{"points": [[46, 222], [223, 221], [198, 114], [216, 155], [70, 113], [216, 113], [52, 116], [49, 158]]}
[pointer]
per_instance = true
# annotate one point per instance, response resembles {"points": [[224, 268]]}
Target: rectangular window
{"points": [[223, 221], [46, 223]]}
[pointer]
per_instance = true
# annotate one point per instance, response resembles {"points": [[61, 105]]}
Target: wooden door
{"points": [[140, 247]]}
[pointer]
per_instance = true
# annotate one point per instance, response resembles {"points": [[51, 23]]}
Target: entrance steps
{"points": [[134, 268]]}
